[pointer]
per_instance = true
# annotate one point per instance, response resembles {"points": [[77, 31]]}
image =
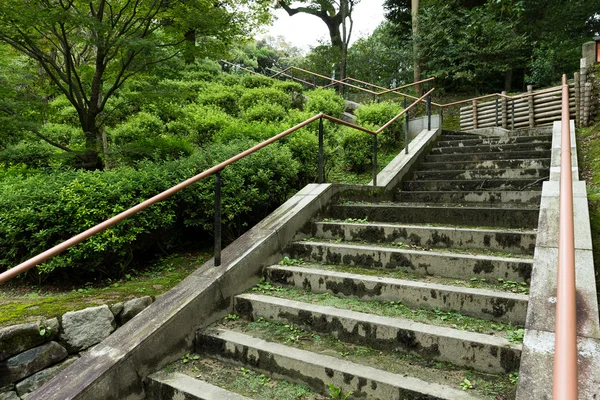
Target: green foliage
{"points": [[256, 81], [516, 336], [325, 101], [337, 393], [157, 149], [357, 149], [291, 261], [139, 126], [222, 96], [375, 115], [265, 112], [201, 123], [466, 384], [289, 87], [271, 96], [35, 155]]}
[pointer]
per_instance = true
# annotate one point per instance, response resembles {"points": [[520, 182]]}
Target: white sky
{"points": [[304, 31]]}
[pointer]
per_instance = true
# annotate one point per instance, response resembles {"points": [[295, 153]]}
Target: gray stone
{"points": [[18, 338], [52, 328], [85, 328], [116, 308], [133, 307], [36, 380], [9, 396], [31, 361], [588, 52]]}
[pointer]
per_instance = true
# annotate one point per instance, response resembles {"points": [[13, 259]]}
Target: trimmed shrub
{"points": [[250, 130], [63, 112], [203, 122], [224, 97], [357, 149], [264, 112], [142, 125], [256, 81], [289, 87], [325, 101], [375, 115], [156, 149], [256, 96]]}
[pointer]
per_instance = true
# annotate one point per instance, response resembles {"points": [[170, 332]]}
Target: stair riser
{"points": [[526, 197], [422, 263], [486, 165], [467, 142], [313, 374], [470, 157], [501, 218], [531, 173], [492, 148], [476, 355], [162, 386], [510, 242], [414, 296], [474, 185]]}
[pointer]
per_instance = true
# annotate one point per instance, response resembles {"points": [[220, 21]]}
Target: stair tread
{"points": [[442, 227], [200, 389], [469, 205]]}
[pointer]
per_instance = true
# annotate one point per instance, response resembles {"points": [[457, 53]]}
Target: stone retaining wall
{"points": [[31, 354]]}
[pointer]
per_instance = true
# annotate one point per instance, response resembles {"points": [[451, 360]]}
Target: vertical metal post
{"points": [[374, 97], [512, 124], [314, 81], [374, 160], [321, 150], [497, 110], [343, 90], [218, 219], [406, 130], [429, 112]]}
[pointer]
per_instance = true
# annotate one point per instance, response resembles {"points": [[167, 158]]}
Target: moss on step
{"points": [[490, 386], [392, 309], [244, 381]]}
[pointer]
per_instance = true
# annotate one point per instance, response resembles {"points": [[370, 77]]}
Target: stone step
{"points": [[485, 156], [525, 197], [518, 242], [478, 174], [492, 148], [167, 386], [466, 142], [318, 370], [436, 263], [480, 303], [488, 164], [456, 214], [475, 185], [486, 353]]}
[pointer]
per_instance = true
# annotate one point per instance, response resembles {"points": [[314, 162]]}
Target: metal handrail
{"points": [[565, 353], [32, 262]]}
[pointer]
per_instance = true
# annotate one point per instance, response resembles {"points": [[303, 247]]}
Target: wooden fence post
{"points": [[474, 114], [577, 100], [530, 104], [504, 111], [586, 103]]}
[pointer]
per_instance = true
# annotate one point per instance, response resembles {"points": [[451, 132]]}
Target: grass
{"points": [[588, 140], [444, 373], [21, 304], [338, 174]]}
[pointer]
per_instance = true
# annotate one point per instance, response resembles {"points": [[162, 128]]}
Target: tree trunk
{"points": [[415, 31], [190, 45], [508, 75]]}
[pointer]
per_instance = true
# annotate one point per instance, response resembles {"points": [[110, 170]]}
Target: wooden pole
{"points": [[577, 100], [530, 105], [474, 114], [504, 111]]}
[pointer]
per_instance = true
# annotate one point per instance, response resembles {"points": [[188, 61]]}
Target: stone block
{"points": [[133, 307], [30, 362], [116, 308], [9, 396], [588, 52], [85, 328], [36, 380], [18, 338]]}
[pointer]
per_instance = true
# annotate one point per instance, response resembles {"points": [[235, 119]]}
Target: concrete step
{"points": [[518, 242], [492, 148], [489, 164], [486, 353], [484, 156], [525, 197], [496, 184], [436, 263], [166, 386], [467, 142], [480, 303], [500, 216], [478, 174], [318, 370]]}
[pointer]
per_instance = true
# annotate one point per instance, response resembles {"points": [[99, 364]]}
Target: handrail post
{"points": [[406, 130], [374, 160], [321, 150], [217, 227], [428, 110], [512, 123], [496, 110]]}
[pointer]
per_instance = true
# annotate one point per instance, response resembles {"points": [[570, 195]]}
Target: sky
{"points": [[304, 31]]}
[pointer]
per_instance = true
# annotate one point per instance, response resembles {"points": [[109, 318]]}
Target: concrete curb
{"points": [[180, 386]]}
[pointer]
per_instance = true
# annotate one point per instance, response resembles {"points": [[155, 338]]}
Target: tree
{"points": [[334, 15], [89, 49]]}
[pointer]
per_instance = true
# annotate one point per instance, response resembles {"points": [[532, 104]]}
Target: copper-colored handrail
{"points": [[404, 111], [405, 86], [565, 350]]}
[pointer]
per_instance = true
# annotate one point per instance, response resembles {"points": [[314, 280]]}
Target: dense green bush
{"points": [[36, 155], [252, 130], [157, 149], [256, 81], [357, 149], [264, 112], [256, 96], [202, 122], [63, 112], [375, 115], [40, 211], [325, 101], [142, 125], [289, 87], [225, 97]]}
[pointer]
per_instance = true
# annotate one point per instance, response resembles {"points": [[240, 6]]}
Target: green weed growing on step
{"points": [[514, 378], [466, 384], [291, 261], [265, 286], [336, 392], [232, 317], [356, 220], [189, 357], [516, 336]]}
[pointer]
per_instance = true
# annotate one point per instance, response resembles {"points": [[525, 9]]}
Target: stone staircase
{"points": [[422, 297]]}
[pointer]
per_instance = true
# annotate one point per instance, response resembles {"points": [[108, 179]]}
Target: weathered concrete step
{"points": [[436, 263], [475, 184], [484, 156], [482, 352], [481, 303], [492, 148], [493, 140], [318, 370], [519, 242], [489, 164], [525, 197], [490, 173], [456, 214], [163, 386]]}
